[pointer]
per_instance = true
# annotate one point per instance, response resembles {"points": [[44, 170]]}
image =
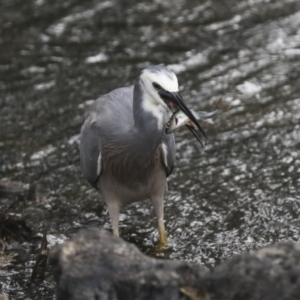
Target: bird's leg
{"points": [[158, 204], [162, 232], [114, 210]]}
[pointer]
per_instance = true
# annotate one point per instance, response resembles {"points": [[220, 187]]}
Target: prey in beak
{"points": [[175, 102]]}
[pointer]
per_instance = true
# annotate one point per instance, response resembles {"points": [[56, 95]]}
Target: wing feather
{"points": [[168, 152], [90, 155], [105, 117]]}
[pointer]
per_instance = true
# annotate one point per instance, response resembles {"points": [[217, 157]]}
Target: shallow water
{"points": [[238, 193]]}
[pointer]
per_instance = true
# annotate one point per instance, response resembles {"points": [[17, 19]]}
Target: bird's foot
{"points": [[162, 244], [162, 249], [163, 240]]}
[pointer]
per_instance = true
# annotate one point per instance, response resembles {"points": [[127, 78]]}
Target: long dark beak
{"points": [[177, 99]]}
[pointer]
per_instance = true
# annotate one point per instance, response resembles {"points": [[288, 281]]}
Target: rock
{"points": [[270, 273], [96, 265]]}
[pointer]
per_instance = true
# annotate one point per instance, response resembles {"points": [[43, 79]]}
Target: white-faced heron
{"points": [[124, 149]]}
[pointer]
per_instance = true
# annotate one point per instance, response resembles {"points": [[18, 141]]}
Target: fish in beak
{"points": [[175, 102]]}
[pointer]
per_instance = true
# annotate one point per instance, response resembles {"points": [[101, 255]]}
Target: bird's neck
{"points": [[149, 120], [145, 109]]}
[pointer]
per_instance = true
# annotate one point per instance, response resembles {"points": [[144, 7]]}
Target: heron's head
{"points": [[160, 89], [159, 84]]}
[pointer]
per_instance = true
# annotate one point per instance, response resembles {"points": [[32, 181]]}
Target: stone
{"points": [[96, 265], [271, 273]]}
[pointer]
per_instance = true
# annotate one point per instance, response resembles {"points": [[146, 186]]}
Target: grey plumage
{"points": [[126, 155], [124, 150]]}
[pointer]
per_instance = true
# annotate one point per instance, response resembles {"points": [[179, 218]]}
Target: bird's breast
{"points": [[129, 167]]}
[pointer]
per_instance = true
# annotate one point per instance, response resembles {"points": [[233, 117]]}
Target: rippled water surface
{"points": [[237, 194]]}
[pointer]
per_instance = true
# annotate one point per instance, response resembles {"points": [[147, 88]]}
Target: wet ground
{"points": [[237, 194]]}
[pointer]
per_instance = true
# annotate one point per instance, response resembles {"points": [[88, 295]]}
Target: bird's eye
{"points": [[156, 86]]}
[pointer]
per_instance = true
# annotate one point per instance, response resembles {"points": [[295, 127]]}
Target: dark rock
{"points": [[270, 273], [96, 265], [13, 229]]}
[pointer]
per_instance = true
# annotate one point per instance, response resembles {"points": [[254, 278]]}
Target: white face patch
{"points": [[167, 80], [156, 110], [152, 101]]}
